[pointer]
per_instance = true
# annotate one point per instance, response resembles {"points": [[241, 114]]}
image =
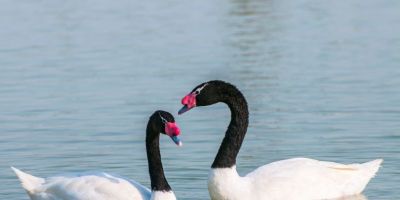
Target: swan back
{"points": [[303, 178], [99, 186]]}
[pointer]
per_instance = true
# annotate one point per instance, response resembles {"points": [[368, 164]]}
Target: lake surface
{"points": [[79, 79]]}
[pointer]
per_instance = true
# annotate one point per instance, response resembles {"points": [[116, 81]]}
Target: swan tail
{"points": [[372, 167], [28, 182], [366, 172]]}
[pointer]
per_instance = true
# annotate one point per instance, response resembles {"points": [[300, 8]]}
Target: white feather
{"points": [[297, 178], [88, 186], [160, 195]]}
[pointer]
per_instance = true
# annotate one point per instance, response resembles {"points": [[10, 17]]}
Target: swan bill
{"points": [[184, 109], [177, 140]]}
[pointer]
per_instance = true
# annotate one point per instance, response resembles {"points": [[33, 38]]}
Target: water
{"points": [[78, 80]]}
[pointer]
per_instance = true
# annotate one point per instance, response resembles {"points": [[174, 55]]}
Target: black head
{"points": [[205, 94], [164, 122]]}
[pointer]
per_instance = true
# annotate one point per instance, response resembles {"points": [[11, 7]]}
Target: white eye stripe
{"points": [[200, 88], [163, 119]]}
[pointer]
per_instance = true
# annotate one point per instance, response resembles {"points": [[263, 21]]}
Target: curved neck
{"points": [[230, 146], [158, 180]]}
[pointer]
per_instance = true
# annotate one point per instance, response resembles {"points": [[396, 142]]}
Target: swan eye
{"points": [[196, 92]]}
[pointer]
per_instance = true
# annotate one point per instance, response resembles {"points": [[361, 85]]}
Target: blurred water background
{"points": [[79, 79]]}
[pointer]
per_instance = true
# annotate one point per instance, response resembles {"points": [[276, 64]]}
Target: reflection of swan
{"points": [[296, 178], [355, 197]]}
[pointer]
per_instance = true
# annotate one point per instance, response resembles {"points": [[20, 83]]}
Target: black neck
{"points": [[230, 146], [158, 180]]}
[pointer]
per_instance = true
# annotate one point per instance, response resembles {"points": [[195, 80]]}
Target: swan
{"points": [[103, 186], [296, 178]]}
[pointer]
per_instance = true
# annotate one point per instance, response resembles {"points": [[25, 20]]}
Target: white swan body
{"points": [[89, 186], [296, 178]]}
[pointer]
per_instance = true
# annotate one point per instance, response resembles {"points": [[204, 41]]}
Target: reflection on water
{"points": [[356, 197], [79, 79]]}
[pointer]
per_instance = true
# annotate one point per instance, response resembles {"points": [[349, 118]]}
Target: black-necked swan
{"points": [[103, 186], [296, 178]]}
